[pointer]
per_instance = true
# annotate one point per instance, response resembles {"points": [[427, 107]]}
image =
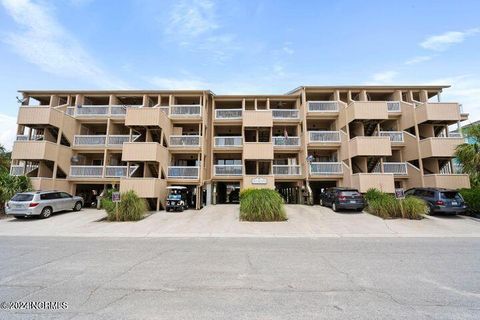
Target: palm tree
{"points": [[468, 154]]}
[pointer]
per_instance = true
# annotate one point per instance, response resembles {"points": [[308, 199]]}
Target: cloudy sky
{"points": [[236, 46]]}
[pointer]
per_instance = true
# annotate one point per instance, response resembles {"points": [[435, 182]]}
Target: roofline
{"points": [[377, 87], [112, 91]]}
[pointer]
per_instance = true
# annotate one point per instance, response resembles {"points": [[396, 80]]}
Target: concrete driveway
{"points": [[222, 221]]}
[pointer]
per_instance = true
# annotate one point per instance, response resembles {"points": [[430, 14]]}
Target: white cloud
{"points": [[8, 132], [418, 59], [287, 48], [178, 84], [445, 40], [41, 40], [384, 77], [192, 18]]}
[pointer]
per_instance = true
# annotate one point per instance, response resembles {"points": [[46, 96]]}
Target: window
{"points": [[50, 196], [65, 195], [20, 197]]}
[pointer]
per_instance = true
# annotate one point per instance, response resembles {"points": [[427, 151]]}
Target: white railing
{"points": [[285, 114], [89, 140], [86, 171], [228, 170], [286, 141], [322, 106], [121, 110], [182, 172], [70, 111], [92, 111], [185, 141], [395, 136], [324, 136], [20, 170], [325, 168], [395, 168], [118, 171], [286, 170], [229, 141], [185, 110], [228, 113], [118, 140], [393, 106], [34, 137], [455, 135]]}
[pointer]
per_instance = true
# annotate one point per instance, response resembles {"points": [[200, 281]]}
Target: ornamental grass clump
{"points": [[386, 206], [130, 208], [472, 199], [261, 205]]}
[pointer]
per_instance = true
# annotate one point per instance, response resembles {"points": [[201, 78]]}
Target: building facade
{"points": [[298, 143]]}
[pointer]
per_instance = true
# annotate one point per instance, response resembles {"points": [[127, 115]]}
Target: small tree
{"points": [[5, 159], [468, 154], [10, 185]]}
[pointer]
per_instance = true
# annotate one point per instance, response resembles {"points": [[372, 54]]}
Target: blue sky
{"points": [[236, 46]]}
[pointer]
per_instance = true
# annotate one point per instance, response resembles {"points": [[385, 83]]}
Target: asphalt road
{"points": [[243, 278]]}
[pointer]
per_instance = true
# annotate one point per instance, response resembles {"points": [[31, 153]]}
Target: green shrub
{"points": [[386, 206], [130, 208], [472, 198], [261, 205]]}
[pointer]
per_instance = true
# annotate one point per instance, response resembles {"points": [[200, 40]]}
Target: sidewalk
{"points": [[222, 221]]}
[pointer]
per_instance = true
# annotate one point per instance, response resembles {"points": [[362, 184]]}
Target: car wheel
{"points": [[334, 207], [429, 210], [321, 203], [181, 209], [46, 212], [360, 209], [78, 206]]}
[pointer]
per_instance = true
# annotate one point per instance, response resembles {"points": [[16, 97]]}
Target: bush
{"points": [[386, 206], [130, 208], [472, 198], [261, 205]]}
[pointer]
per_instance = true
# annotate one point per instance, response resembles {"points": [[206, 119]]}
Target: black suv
{"points": [[440, 200], [342, 198]]}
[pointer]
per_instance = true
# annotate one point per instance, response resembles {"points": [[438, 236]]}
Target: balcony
{"points": [[89, 140], [119, 171], [439, 147], [381, 181], [326, 168], [144, 187], [44, 115], [228, 170], [88, 111], [286, 142], [147, 117], [185, 111], [118, 140], [182, 141], [143, 151], [286, 170], [322, 106], [448, 181], [286, 114], [228, 114], [35, 150], [370, 146], [324, 137], [397, 168], [438, 112], [228, 142], [395, 136], [257, 118], [367, 110], [26, 137], [183, 172], [20, 170], [394, 106], [86, 171], [258, 150]]}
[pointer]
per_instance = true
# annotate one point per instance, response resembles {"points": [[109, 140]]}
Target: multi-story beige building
{"points": [[300, 142]]}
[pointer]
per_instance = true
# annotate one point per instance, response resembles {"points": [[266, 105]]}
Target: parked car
{"points": [[440, 200], [42, 204], [342, 198], [176, 199]]}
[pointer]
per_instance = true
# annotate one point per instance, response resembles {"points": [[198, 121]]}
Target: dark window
{"points": [[65, 195], [450, 195], [50, 196], [22, 197], [350, 193]]}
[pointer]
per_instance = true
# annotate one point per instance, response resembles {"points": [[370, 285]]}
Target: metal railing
{"points": [[118, 171], [86, 171], [228, 113], [286, 141], [33, 137], [121, 110], [455, 135], [229, 141], [185, 110], [395, 168], [325, 168], [118, 140], [322, 106], [89, 140], [70, 111], [183, 172], [228, 170], [92, 111], [185, 141], [393, 106], [285, 114], [395, 136], [20, 170], [286, 170], [324, 136]]}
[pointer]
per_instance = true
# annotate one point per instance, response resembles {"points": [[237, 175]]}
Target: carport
{"points": [[318, 186]]}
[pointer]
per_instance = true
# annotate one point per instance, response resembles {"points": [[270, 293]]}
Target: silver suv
{"points": [[41, 203]]}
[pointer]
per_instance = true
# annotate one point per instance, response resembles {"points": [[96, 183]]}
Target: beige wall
{"points": [[258, 150], [449, 181], [247, 182], [366, 146], [438, 111], [439, 147], [364, 181], [259, 118], [366, 110]]}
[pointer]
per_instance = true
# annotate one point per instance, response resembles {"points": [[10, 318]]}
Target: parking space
{"points": [[222, 221]]}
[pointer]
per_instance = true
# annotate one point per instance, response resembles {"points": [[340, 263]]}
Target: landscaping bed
{"points": [[261, 205], [386, 206]]}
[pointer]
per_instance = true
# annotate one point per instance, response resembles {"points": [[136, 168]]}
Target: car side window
{"points": [[65, 195], [410, 192]]}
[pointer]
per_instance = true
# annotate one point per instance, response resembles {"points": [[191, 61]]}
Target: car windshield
{"points": [[349, 193], [174, 197], [22, 197], [452, 195]]}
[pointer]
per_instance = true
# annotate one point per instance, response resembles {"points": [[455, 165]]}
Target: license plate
{"points": [[454, 203], [353, 201]]}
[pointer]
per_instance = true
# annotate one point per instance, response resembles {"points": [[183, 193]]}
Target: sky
{"points": [[236, 46]]}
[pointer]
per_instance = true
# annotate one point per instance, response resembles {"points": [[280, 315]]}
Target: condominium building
{"points": [[308, 139]]}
